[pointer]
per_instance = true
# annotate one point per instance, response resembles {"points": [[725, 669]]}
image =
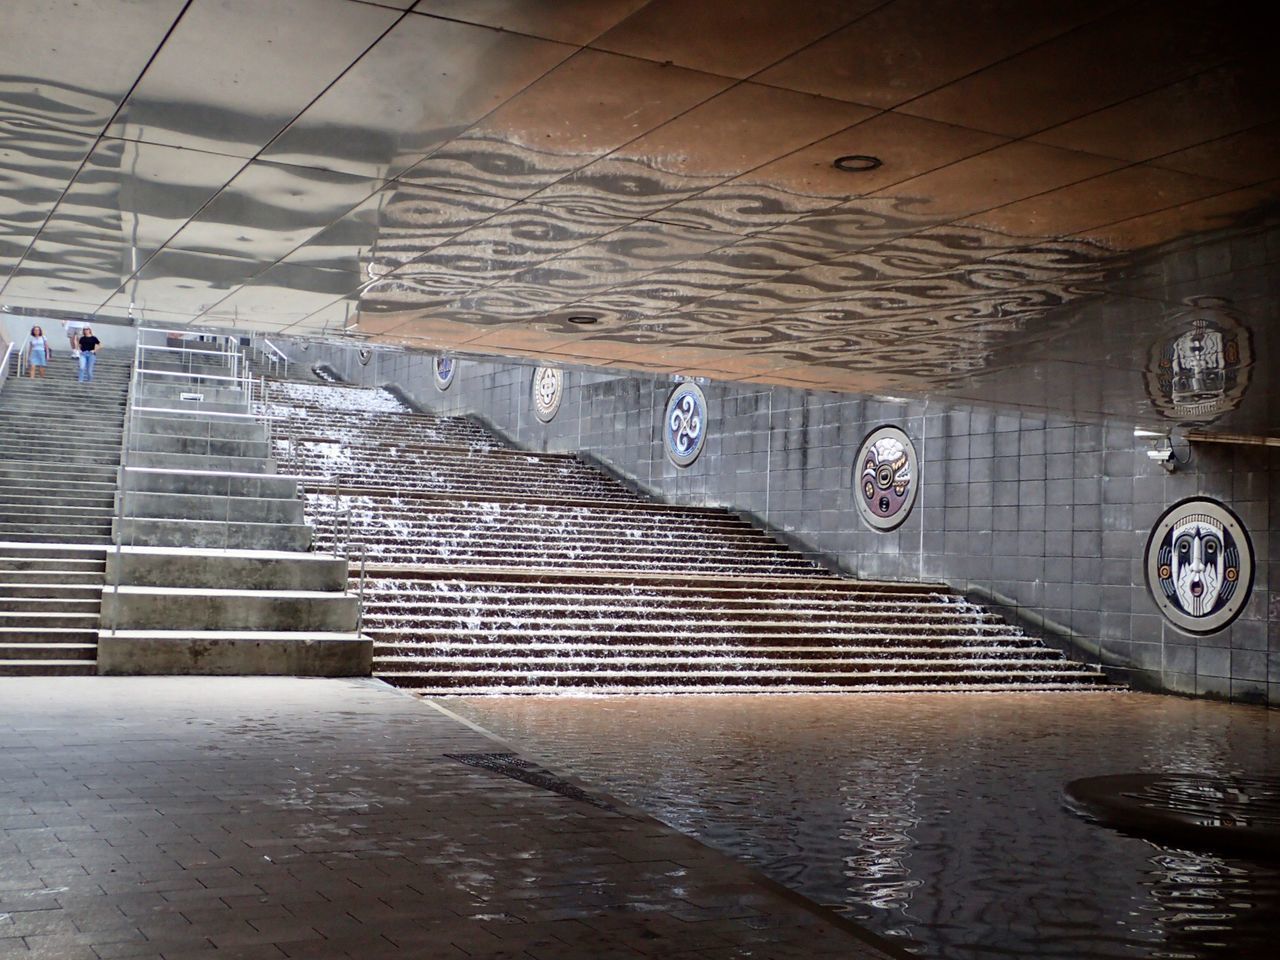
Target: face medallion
{"points": [[1199, 565], [1203, 372], [886, 474]]}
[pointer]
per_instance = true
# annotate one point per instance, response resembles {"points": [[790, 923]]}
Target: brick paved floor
{"points": [[253, 818]]}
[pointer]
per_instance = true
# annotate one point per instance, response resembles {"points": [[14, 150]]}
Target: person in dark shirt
{"points": [[88, 354]]}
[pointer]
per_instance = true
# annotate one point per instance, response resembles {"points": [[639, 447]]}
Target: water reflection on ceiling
{"points": [[1063, 188]]}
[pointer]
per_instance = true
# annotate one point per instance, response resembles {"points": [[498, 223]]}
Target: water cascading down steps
{"points": [[498, 570], [59, 456]]}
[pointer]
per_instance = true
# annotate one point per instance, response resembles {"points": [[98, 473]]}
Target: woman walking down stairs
{"points": [[59, 456]]}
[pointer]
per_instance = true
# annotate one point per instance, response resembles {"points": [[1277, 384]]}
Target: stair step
{"points": [[52, 591], [428, 687], [11, 652], [932, 678], [48, 668]]}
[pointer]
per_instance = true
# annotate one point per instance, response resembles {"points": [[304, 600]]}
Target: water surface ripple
{"points": [[936, 819]]}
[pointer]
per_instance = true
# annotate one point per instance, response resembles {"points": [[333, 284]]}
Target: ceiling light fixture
{"points": [[856, 163], [583, 320]]}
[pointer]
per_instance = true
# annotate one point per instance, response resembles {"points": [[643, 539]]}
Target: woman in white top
{"points": [[73, 329]]}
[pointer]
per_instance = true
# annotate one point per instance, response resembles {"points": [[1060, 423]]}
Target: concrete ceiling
{"points": [[1072, 206]]}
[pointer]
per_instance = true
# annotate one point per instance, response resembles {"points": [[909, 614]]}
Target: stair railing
{"points": [[360, 591], [273, 357], [122, 483], [4, 363]]}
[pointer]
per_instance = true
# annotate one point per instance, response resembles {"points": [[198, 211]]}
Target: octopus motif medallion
{"points": [[445, 368], [1199, 565], [685, 424], [886, 477], [548, 388]]}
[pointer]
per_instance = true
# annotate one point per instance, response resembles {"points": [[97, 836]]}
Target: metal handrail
{"points": [[24, 356], [4, 363], [360, 590], [122, 486], [274, 356], [227, 351]]}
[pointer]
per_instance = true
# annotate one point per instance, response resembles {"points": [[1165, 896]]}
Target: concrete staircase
{"points": [[495, 570], [59, 455], [212, 575], [59, 452]]}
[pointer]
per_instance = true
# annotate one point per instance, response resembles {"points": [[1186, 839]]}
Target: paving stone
{"points": [[281, 818]]}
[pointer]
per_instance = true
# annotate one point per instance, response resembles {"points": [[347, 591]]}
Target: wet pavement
{"points": [[256, 818], [939, 819]]}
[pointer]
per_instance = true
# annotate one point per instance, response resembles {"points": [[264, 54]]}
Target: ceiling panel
{"points": [[692, 34], [592, 104], [36, 165], [53, 53], [1004, 175], [571, 21], [421, 86], [234, 73], [909, 47], [1126, 53], [126, 201], [269, 209], [1210, 105], [1243, 159]]}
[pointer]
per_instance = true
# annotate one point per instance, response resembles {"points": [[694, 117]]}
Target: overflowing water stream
{"points": [[935, 819]]}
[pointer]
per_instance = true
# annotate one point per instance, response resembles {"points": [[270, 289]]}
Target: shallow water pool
{"points": [[935, 819]]}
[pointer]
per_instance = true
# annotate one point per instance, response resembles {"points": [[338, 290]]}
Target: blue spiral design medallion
{"points": [[548, 388], [445, 368], [684, 427]]}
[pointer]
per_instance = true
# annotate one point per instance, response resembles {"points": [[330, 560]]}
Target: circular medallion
{"points": [[364, 355], [685, 426], [548, 387], [445, 368], [1203, 370], [1199, 565], [886, 478]]}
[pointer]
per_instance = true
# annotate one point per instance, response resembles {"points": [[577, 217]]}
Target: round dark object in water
{"points": [[1239, 816]]}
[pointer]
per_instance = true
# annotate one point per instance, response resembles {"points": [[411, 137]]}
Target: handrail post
{"points": [[336, 493], [360, 594]]}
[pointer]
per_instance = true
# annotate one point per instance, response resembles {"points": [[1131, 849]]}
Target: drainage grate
{"points": [[511, 765]]}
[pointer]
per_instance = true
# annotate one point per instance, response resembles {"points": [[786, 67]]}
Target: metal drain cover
{"points": [[513, 766]]}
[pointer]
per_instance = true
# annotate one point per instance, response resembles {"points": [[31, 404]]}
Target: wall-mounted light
{"points": [[1162, 448]]}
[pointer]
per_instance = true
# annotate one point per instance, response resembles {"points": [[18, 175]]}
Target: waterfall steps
{"points": [[494, 570]]}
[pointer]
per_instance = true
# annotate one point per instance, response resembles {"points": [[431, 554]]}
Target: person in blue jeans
{"points": [[88, 354]]}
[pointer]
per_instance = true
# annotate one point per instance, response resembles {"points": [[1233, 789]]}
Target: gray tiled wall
{"points": [[1049, 520]]}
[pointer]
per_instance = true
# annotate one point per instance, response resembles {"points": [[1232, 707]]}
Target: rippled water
{"points": [[936, 819]]}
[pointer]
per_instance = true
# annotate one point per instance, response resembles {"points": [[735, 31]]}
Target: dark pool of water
{"points": [[937, 819]]}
